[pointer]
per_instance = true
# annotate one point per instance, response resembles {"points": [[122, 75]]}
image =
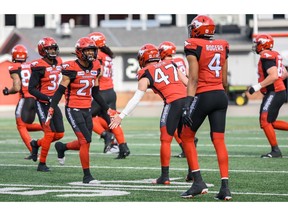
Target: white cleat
{"points": [[94, 182], [113, 150], [61, 161]]}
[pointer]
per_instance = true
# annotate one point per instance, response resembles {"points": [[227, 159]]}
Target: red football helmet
{"points": [[82, 44], [166, 48], [44, 44], [147, 53], [98, 38], [201, 26], [262, 42], [19, 53]]}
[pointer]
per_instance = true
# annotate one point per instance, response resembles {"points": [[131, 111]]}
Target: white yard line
{"points": [[149, 168]]}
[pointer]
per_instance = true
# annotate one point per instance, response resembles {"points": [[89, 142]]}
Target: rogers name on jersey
{"points": [[214, 48]]}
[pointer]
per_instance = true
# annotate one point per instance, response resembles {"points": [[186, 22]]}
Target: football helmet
{"points": [[201, 27], [19, 53], [262, 42], [147, 53], [44, 44], [98, 38], [81, 45], [166, 48]]}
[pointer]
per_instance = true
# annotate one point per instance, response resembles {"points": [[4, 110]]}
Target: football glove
{"points": [[254, 88], [5, 91], [186, 118], [49, 116]]}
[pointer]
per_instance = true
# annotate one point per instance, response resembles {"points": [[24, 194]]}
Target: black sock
{"points": [[87, 172]]}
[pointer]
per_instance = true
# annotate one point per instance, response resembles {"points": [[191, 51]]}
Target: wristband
{"points": [[257, 87]]}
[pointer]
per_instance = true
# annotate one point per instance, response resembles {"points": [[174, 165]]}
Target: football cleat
{"points": [[272, 154], [189, 177], [181, 155], [43, 168], [195, 141], [29, 157], [60, 148], [35, 148], [108, 139], [195, 189], [123, 151], [224, 194], [114, 149], [61, 160], [89, 180], [162, 180]]}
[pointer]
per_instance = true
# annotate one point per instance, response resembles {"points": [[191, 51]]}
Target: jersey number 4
{"points": [[214, 64]]}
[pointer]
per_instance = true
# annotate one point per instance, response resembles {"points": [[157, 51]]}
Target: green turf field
{"points": [[252, 179]]}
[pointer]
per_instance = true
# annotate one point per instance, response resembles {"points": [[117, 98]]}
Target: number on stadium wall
{"points": [[132, 68]]}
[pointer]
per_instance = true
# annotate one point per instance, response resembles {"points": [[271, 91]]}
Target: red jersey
{"points": [[164, 80], [47, 77], [23, 70], [269, 58], [105, 81], [180, 65], [79, 91], [211, 55]]}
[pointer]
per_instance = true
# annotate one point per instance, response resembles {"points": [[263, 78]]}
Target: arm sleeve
{"points": [[57, 96], [33, 83], [132, 103], [99, 99]]}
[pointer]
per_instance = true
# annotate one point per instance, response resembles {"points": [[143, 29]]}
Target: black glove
{"points": [[5, 91], [251, 90], [186, 118], [254, 88]]}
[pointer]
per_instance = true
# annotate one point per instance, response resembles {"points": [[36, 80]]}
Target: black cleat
{"points": [[181, 155], [35, 148], [189, 177], [195, 189], [29, 157], [108, 140], [60, 148], [123, 151], [272, 154], [195, 141], [224, 194], [43, 168], [89, 180], [162, 180]]}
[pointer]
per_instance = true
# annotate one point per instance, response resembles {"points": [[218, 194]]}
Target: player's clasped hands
{"points": [[115, 121]]}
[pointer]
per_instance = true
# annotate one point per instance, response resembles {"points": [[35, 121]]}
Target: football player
{"points": [[271, 85], [45, 78], [25, 112], [106, 90], [80, 84], [166, 51], [206, 97], [162, 78]]}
